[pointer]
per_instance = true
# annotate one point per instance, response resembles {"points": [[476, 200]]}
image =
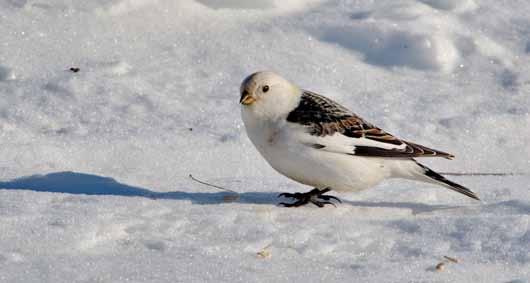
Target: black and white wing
{"points": [[337, 129]]}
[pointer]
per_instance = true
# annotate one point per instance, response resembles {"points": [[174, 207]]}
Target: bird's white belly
{"points": [[317, 168]]}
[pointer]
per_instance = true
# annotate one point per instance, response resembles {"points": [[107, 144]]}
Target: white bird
{"points": [[317, 142]]}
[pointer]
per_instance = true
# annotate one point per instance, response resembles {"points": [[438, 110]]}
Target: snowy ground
{"points": [[156, 99]]}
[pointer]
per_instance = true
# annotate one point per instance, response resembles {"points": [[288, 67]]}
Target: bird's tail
{"points": [[430, 176]]}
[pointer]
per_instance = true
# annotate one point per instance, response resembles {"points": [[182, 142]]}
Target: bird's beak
{"points": [[247, 98]]}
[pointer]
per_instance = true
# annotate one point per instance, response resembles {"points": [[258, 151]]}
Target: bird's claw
{"points": [[326, 197], [314, 196], [289, 195], [322, 203]]}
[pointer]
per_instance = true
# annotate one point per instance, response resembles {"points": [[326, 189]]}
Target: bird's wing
{"points": [[335, 128]]}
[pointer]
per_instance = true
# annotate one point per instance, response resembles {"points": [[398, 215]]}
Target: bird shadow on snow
{"points": [[88, 184]]}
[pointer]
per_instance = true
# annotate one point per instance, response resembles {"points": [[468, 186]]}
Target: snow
{"points": [[94, 164]]}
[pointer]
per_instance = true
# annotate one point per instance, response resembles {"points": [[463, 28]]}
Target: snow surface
{"points": [[94, 164]]}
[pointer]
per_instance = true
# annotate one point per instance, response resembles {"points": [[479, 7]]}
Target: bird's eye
{"points": [[265, 88]]}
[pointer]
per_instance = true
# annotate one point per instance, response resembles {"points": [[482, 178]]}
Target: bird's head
{"points": [[268, 95]]}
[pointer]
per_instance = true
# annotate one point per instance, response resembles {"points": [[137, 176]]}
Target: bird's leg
{"points": [[315, 196]]}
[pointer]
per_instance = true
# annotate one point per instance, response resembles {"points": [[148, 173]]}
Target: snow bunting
{"points": [[317, 142]]}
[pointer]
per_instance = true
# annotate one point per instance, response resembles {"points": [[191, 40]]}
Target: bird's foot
{"points": [[315, 196]]}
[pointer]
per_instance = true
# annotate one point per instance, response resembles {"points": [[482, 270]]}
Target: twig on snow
{"points": [[211, 185], [264, 253], [447, 259], [227, 198]]}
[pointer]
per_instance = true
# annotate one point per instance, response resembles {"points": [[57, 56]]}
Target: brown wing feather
{"points": [[324, 117]]}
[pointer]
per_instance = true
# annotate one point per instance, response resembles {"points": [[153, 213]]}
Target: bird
{"points": [[316, 141]]}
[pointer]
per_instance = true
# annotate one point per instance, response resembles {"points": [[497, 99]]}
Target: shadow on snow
{"points": [[88, 184]]}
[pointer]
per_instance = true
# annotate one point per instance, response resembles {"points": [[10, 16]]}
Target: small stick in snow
{"points": [[440, 266], [227, 198], [264, 253], [211, 185], [451, 259], [447, 259]]}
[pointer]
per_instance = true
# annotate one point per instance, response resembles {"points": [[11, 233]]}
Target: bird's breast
{"points": [[283, 147]]}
